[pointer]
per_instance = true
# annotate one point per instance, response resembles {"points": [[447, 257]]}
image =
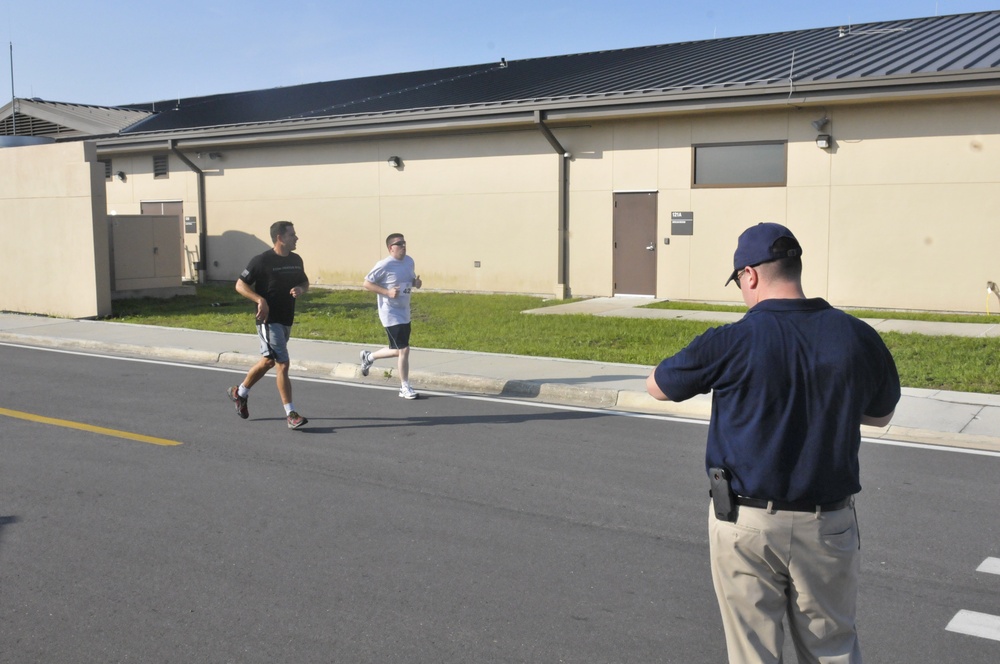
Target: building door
{"points": [[634, 261]]}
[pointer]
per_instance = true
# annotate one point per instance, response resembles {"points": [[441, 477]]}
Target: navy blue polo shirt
{"points": [[790, 383]]}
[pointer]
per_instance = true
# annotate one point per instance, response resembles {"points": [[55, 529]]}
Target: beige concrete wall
{"points": [[914, 200], [491, 198], [905, 187], [139, 184], [591, 176], [126, 197], [52, 208], [696, 267]]}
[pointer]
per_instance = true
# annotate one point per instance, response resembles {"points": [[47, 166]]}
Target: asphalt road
{"points": [[439, 530]]}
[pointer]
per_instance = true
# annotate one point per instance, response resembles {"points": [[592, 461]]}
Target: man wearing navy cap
{"points": [[791, 384]]}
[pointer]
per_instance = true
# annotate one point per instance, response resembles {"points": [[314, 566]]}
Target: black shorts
{"points": [[399, 336]]}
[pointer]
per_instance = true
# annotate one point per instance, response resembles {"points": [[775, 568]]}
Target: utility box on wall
{"points": [[145, 252]]}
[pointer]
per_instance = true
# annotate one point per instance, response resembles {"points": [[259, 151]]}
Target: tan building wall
{"points": [[52, 210], [907, 187], [490, 198], [125, 197]]}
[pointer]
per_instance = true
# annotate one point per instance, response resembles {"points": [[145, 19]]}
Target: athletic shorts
{"points": [[399, 336], [274, 341]]}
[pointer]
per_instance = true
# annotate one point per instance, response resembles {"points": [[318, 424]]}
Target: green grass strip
{"points": [[495, 324]]}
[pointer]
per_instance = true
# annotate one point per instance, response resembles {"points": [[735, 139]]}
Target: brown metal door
{"points": [[634, 262]]}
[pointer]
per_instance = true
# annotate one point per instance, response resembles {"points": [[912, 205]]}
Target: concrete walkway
{"points": [[924, 416], [631, 307]]}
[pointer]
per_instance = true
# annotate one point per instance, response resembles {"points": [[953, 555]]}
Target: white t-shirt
{"points": [[392, 273]]}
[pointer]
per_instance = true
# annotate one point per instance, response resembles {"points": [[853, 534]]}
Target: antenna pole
{"points": [[13, 110]]}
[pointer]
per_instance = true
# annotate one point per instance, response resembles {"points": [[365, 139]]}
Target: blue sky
{"points": [[120, 51]]}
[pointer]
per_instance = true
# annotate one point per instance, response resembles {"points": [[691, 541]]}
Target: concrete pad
{"points": [[919, 392], [973, 398], [985, 423], [913, 413], [989, 444], [676, 314], [936, 328], [698, 407], [26, 322], [594, 306]]}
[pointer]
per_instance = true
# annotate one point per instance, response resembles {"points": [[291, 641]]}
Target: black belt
{"points": [[797, 506]]}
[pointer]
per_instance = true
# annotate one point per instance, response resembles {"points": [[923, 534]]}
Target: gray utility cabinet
{"points": [[146, 251]]}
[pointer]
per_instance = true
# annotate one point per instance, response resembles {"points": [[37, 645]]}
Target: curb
{"points": [[128, 350], [697, 409], [964, 440]]}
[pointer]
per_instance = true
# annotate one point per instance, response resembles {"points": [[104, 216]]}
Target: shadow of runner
{"points": [[450, 420], [6, 521], [428, 420]]}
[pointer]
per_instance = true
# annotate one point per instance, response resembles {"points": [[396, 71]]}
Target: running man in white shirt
{"points": [[392, 279]]}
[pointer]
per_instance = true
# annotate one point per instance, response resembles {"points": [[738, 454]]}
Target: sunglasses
{"points": [[401, 243]]}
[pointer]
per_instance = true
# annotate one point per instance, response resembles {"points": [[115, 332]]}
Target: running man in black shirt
{"points": [[277, 277]]}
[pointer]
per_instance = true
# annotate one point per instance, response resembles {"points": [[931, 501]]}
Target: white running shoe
{"points": [[366, 362], [406, 392]]}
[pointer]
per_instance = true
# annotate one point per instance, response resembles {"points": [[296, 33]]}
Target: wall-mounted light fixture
{"points": [[395, 161], [823, 141], [120, 175]]}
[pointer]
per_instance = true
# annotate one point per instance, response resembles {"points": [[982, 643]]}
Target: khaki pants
{"points": [[800, 563]]}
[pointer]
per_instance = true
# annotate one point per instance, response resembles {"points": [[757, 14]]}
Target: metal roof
{"points": [[58, 118], [924, 51]]}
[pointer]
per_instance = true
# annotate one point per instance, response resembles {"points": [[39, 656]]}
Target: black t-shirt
{"points": [[273, 277]]}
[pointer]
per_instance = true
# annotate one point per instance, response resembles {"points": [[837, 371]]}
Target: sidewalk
{"points": [[925, 416]]}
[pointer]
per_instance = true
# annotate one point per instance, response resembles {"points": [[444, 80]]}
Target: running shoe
{"points": [[366, 362], [241, 402], [295, 420], [406, 392]]}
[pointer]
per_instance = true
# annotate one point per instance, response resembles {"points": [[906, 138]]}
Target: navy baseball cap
{"points": [[756, 246]]}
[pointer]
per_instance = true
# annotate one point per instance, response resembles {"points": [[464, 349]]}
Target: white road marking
{"points": [[925, 446], [990, 566], [975, 624]]}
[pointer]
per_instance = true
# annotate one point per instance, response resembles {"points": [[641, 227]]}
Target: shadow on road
{"points": [[342, 423], [6, 521], [319, 424]]}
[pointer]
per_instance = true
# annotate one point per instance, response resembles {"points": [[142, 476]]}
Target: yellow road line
{"points": [[87, 427]]}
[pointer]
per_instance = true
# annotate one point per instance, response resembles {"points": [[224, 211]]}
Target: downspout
{"points": [[563, 289], [202, 225]]}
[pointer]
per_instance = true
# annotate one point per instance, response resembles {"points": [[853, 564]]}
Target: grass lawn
{"points": [[495, 324]]}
